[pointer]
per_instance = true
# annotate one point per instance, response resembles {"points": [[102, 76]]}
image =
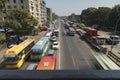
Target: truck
{"points": [[93, 35]]}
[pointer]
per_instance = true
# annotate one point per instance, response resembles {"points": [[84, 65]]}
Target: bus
{"points": [[40, 48], [47, 63], [16, 56]]}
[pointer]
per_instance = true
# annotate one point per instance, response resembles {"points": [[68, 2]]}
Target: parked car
{"points": [[51, 52], [53, 38], [32, 66], [44, 28], [48, 34], [55, 45]]}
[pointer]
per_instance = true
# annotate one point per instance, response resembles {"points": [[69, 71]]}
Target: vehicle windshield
{"points": [[84, 34]]}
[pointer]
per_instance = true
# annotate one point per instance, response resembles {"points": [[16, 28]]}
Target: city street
{"points": [[74, 53]]}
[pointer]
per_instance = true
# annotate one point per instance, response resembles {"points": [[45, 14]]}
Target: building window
{"points": [[21, 1], [32, 13], [9, 1], [15, 6], [37, 14], [22, 7], [32, 8], [14, 1], [9, 7]]}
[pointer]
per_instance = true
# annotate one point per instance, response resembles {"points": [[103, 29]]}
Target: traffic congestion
{"points": [[42, 53]]}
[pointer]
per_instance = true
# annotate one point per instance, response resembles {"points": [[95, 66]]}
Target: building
{"points": [[43, 12], [49, 16], [32, 6]]}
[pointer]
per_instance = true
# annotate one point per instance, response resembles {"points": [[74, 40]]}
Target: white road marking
{"points": [[60, 46], [73, 61]]}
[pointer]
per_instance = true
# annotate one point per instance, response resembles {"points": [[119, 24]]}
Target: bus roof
{"points": [[47, 63], [18, 48], [40, 43]]}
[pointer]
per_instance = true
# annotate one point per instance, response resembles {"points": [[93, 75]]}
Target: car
{"points": [[32, 66], [44, 28], [51, 52], [49, 34], [53, 38], [55, 45]]}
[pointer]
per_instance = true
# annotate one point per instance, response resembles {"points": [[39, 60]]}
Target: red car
{"points": [[44, 28]]}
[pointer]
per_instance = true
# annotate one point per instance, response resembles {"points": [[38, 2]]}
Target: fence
{"points": [[114, 57]]}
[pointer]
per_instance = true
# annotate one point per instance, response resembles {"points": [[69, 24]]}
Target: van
{"points": [[51, 53], [114, 39], [32, 67]]}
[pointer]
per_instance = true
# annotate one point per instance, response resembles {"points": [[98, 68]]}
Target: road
{"points": [[74, 53]]}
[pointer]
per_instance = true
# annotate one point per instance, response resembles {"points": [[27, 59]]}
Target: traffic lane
{"points": [[72, 57], [67, 60], [75, 55], [60, 52], [87, 52], [83, 55]]}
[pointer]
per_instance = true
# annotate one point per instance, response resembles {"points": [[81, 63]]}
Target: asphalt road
{"points": [[74, 53]]}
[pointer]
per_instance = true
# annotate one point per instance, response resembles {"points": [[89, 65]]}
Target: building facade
{"points": [[43, 12], [37, 8], [49, 16]]}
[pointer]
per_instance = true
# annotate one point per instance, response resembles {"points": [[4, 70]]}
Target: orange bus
{"points": [[47, 63]]}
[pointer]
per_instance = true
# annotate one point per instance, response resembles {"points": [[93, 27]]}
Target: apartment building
{"points": [[49, 16], [43, 12], [32, 6]]}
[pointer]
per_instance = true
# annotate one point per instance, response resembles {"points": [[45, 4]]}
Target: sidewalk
{"points": [[36, 37]]}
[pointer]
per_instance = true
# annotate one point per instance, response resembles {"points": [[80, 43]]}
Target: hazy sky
{"points": [[66, 7]]}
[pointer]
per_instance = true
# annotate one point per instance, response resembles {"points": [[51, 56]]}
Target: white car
{"points": [[55, 45], [53, 38], [32, 66]]}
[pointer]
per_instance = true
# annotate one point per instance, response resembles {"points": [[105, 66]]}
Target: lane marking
{"points": [[59, 67], [73, 61]]}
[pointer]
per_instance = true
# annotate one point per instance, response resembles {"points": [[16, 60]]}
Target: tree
{"points": [[2, 4], [24, 18], [87, 16], [115, 16], [54, 16], [102, 16], [96, 16]]}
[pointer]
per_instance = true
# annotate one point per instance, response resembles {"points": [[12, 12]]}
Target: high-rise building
{"points": [[32, 6], [43, 12], [49, 16]]}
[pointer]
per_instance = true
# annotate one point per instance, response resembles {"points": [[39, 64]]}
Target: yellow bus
{"points": [[15, 56]]}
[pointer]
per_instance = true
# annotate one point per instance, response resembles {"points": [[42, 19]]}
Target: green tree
{"points": [[72, 17], [54, 16], [87, 16], [96, 16], [103, 15], [24, 18], [115, 16], [2, 4]]}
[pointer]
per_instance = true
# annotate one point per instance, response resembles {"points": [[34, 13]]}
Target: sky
{"points": [[67, 7]]}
